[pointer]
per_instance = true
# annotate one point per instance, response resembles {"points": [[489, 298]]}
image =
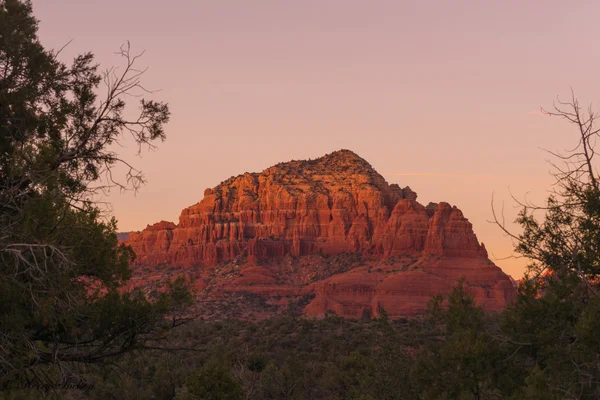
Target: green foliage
{"points": [[467, 363], [274, 359], [62, 269], [211, 383], [557, 308], [256, 363], [383, 322]]}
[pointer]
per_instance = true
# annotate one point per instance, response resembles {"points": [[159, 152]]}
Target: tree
{"points": [[213, 382], [61, 267], [558, 306], [466, 364]]}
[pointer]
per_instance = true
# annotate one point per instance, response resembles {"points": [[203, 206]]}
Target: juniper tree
{"points": [[61, 266], [553, 325]]}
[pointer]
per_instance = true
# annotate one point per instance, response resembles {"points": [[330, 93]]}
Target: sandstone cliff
{"points": [[333, 205]]}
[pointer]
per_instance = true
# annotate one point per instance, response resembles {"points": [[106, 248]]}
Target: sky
{"points": [[442, 96]]}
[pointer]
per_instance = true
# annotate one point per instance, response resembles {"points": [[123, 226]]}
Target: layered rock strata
{"points": [[332, 205]]}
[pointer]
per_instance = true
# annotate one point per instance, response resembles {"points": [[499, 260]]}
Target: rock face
{"points": [[359, 292], [332, 205]]}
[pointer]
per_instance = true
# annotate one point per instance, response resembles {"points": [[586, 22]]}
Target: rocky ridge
{"points": [[277, 233]]}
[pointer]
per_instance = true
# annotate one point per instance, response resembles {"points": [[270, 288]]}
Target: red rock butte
{"points": [[331, 230]]}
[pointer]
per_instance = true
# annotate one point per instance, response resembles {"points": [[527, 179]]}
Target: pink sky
{"points": [[438, 95]]}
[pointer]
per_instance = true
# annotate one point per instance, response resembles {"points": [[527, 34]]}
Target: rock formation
{"points": [[329, 206]]}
